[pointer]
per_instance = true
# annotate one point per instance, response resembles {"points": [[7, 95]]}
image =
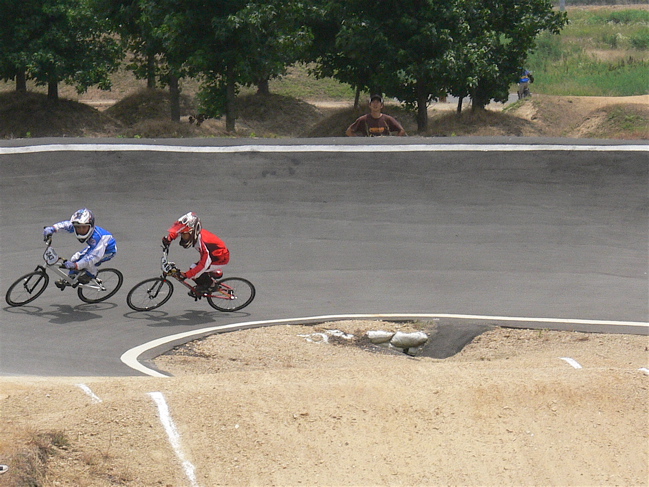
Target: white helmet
{"points": [[83, 217]]}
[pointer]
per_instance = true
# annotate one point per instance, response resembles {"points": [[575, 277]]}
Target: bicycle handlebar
{"points": [[169, 268]]}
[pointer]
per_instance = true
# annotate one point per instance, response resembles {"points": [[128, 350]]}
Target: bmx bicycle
{"points": [[229, 294], [30, 286]]}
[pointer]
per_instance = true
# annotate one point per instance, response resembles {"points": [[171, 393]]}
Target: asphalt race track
{"points": [[465, 231]]}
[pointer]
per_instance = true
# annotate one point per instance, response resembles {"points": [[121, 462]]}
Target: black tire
{"points": [[232, 294], [111, 280], [27, 288], [149, 294]]}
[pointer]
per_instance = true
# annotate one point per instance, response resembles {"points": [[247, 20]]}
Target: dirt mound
{"points": [[34, 115], [481, 123], [146, 113], [276, 115], [147, 105], [586, 116]]}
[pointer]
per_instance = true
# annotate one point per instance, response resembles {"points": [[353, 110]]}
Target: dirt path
{"points": [[280, 406]]}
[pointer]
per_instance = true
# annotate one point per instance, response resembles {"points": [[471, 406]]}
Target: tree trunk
{"points": [[230, 102], [422, 109], [21, 81], [357, 98], [174, 92], [53, 90], [263, 88], [479, 100], [459, 104], [150, 72]]}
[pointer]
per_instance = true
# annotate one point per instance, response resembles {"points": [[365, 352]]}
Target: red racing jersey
{"points": [[211, 249]]}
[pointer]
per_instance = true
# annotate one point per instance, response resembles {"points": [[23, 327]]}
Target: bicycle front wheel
{"points": [[105, 285], [232, 294], [27, 288], [149, 294]]}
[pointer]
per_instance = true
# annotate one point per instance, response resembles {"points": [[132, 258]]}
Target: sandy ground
{"points": [[280, 406]]}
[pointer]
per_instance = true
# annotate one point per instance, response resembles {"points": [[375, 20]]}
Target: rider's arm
{"points": [[64, 225], [202, 265]]}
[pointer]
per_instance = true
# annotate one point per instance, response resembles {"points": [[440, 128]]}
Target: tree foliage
{"points": [[55, 41], [413, 50], [419, 50]]}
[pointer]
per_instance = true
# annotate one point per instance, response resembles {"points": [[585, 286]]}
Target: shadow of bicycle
{"points": [[63, 314], [157, 318]]}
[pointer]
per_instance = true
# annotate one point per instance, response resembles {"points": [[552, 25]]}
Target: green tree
{"points": [[59, 41], [135, 23], [228, 44], [348, 45], [16, 36], [492, 41], [418, 50], [275, 36]]}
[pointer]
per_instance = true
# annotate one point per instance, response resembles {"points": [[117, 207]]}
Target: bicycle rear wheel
{"points": [[149, 294], [27, 288], [232, 294], [108, 283]]}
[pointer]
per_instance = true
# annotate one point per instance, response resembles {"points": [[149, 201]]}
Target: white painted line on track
{"points": [[644, 370], [130, 357], [88, 391], [321, 148], [173, 435], [572, 362]]}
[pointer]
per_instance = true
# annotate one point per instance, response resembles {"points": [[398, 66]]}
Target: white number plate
{"points": [[50, 256]]}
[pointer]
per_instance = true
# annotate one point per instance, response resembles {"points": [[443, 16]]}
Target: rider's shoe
{"points": [[61, 283], [84, 278], [202, 289]]}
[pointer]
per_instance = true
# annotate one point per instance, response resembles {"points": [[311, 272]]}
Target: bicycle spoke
{"points": [[149, 294], [27, 288], [233, 294]]}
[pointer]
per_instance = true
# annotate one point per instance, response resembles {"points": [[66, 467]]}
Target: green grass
{"points": [[582, 75], [299, 84], [600, 53]]}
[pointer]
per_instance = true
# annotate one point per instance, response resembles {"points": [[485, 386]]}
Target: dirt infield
{"points": [[280, 406]]}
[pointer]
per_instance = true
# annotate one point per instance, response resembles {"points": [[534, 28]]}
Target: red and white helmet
{"points": [[189, 223]]}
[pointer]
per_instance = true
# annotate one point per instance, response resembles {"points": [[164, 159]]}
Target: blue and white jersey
{"points": [[101, 247]]}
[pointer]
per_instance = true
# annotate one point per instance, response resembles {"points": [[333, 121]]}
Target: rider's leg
{"points": [[521, 89], [206, 281], [89, 269]]}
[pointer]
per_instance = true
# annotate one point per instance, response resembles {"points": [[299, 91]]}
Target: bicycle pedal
{"points": [[61, 284]]}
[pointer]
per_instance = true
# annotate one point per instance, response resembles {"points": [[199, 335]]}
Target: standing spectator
{"points": [[524, 84], [375, 123]]}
